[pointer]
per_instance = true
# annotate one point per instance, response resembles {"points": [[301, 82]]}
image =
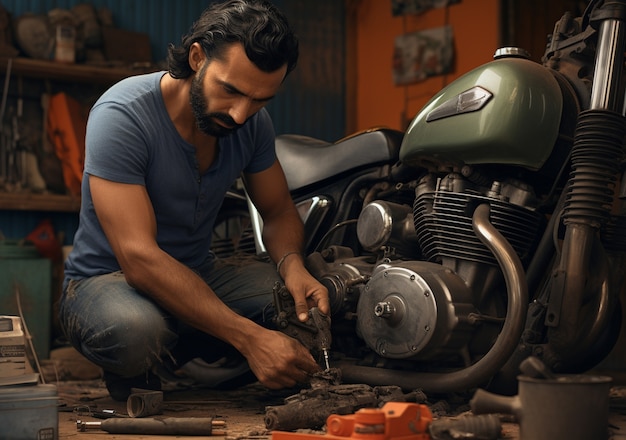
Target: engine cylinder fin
{"points": [[443, 223]]}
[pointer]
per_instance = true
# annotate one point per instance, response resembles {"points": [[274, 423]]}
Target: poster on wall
{"points": [[419, 55], [407, 7]]}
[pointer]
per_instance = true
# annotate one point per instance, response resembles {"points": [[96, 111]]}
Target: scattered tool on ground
{"points": [[143, 403], [152, 426], [310, 408], [401, 420]]}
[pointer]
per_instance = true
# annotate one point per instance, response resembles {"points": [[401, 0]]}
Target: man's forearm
{"points": [[283, 237], [184, 294]]}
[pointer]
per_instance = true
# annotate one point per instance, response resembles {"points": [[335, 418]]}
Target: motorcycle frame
{"points": [[564, 294]]}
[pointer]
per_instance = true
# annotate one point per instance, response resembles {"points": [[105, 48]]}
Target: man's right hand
{"points": [[279, 361]]}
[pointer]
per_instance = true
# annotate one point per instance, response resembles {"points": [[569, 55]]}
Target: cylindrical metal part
{"points": [[487, 426], [605, 93], [384, 223], [151, 426], [143, 403]]}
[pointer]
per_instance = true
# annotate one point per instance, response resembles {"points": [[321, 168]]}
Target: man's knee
{"points": [[114, 326], [130, 345]]}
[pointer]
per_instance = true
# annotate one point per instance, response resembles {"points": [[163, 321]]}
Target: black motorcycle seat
{"points": [[308, 160]]}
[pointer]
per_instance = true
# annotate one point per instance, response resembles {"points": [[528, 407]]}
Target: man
{"points": [[162, 149]]}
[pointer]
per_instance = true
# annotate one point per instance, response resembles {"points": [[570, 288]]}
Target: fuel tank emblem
{"points": [[465, 102]]}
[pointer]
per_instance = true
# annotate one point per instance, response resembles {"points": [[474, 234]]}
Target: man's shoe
{"points": [[226, 373], [120, 387]]}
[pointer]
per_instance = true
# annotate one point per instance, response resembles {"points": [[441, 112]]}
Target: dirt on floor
{"points": [[239, 413], [242, 411]]}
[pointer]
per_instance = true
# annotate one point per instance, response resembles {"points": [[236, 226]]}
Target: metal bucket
{"points": [[569, 407], [29, 412]]}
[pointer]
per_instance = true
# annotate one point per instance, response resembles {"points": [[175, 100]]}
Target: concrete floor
{"points": [[242, 410]]}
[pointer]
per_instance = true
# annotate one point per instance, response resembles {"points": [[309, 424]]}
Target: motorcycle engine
{"points": [[429, 294], [413, 307]]}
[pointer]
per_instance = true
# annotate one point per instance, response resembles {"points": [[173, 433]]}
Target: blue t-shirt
{"points": [[131, 139]]}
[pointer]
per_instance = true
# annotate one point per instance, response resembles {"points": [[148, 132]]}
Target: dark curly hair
{"points": [[263, 30]]}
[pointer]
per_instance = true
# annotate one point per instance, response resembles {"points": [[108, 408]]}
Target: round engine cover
{"points": [[397, 313], [380, 221], [374, 226]]}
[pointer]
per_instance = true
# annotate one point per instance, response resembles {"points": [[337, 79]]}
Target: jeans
{"points": [[126, 333]]}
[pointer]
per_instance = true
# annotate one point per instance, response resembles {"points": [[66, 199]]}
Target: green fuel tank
{"points": [[507, 111]]}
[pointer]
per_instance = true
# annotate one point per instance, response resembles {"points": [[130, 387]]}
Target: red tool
{"points": [[395, 420]]}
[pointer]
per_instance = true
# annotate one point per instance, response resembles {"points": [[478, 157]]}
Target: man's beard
{"points": [[206, 121]]}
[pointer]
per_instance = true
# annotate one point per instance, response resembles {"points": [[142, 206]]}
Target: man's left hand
{"points": [[307, 292]]}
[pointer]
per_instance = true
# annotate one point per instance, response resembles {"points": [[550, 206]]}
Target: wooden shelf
{"points": [[67, 73], [52, 70], [39, 202]]}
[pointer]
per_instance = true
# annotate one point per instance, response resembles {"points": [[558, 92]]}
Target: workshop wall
{"points": [[379, 102], [165, 21], [312, 101]]}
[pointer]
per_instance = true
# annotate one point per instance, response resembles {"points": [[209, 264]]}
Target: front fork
{"points": [[596, 158]]}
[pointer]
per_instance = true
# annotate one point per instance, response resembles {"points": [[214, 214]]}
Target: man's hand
{"points": [[279, 361], [306, 291]]}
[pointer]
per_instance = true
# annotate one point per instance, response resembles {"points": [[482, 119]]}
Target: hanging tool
{"points": [[16, 172], [150, 426], [3, 135]]}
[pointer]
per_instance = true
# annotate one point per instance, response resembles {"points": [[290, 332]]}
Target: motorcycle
{"points": [[491, 230]]}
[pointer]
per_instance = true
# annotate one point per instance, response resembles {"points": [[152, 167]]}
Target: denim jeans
{"points": [[126, 333]]}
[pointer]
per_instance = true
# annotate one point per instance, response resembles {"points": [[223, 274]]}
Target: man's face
{"points": [[206, 120], [225, 93]]}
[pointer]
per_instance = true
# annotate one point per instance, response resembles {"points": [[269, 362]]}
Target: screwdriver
{"points": [[151, 426], [326, 360], [322, 336]]}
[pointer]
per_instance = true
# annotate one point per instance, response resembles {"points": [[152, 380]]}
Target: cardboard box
{"points": [[12, 347], [32, 278]]}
